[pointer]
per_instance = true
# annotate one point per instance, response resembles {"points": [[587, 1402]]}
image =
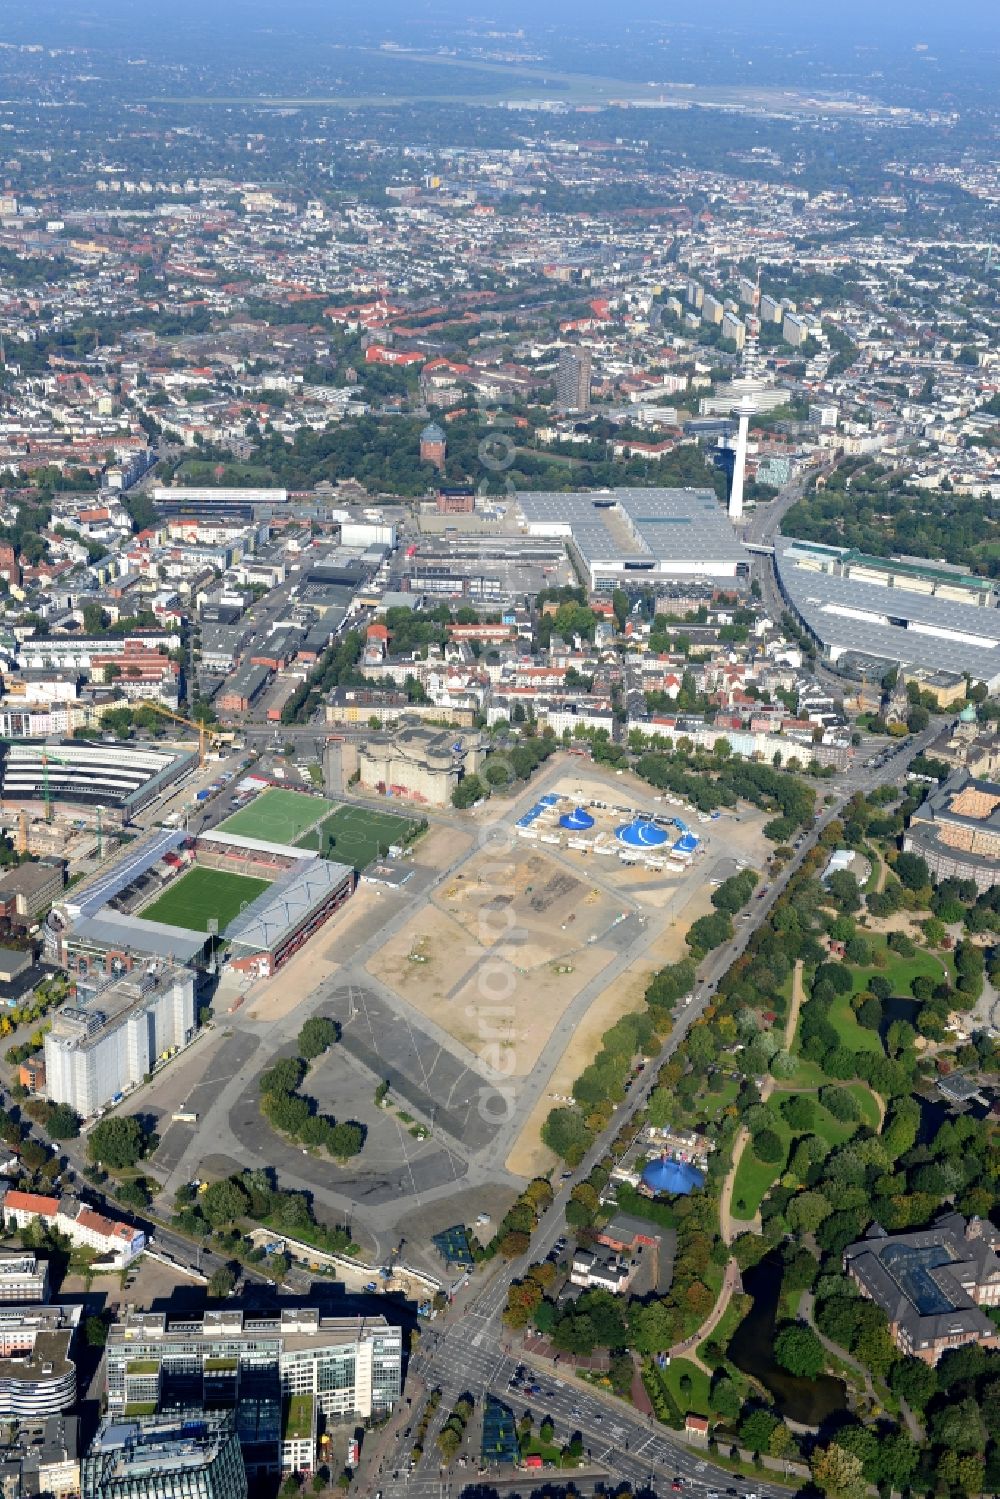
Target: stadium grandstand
{"points": [[285, 916], [121, 779]]}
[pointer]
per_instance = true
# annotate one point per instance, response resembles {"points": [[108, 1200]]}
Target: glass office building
{"points": [[186, 1455], [255, 1364]]}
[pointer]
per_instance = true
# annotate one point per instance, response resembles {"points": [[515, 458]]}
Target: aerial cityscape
{"points": [[499, 757]]}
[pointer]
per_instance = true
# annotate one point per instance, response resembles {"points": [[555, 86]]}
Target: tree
{"points": [[651, 1328], [117, 721], [800, 1111], [756, 1429], [345, 1139], [95, 1332], [95, 621], [565, 1132], [800, 1351], [283, 1076], [840, 1102], [709, 932], [224, 1202], [767, 1146], [469, 790], [960, 1427], [222, 1282], [725, 1398], [845, 890], [858, 950], [838, 1473], [63, 1122], [807, 1211], [117, 1142], [134, 1194], [912, 871], [316, 1036]]}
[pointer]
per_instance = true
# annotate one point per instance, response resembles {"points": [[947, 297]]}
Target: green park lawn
{"points": [[695, 1402], [852, 1034], [547, 1451], [716, 1099], [755, 1178], [900, 972]]}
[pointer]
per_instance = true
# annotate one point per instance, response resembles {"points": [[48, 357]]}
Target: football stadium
{"points": [[191, 898]]}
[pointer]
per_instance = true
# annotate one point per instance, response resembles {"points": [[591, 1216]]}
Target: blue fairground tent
{"points": [[577, 822], [675, 1178], [687, 844], [639, 834]]}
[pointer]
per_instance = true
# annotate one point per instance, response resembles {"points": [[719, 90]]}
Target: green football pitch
{"points": [[277, 816], [355, 835], [204, 893]]}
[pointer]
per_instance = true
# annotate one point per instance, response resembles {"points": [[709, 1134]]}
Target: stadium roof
{"points": [[256, 845], [154, 939], [124, 872], [282, 906], [915, 629]]}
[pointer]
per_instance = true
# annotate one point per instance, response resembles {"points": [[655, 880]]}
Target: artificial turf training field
{"points": [[201, 894], [358, 833], [277, 816]]}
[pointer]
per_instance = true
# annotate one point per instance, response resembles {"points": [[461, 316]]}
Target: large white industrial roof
{"points": [[916, 629], [662, 525]]}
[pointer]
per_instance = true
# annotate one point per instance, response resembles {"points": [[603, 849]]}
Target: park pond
{"points": [[807, 1401]]}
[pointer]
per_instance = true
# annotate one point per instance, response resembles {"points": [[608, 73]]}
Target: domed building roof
{"points": [[968, 714], [432, 433], [578, 821], [641, 834], [675, 1178]]}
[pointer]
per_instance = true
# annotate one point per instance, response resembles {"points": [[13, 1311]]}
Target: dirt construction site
{"points": [[535, 944], [515, 935]]}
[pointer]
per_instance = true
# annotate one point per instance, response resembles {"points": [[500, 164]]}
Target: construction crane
{"points": [[47, 755], [23, 836], [190, 723]]}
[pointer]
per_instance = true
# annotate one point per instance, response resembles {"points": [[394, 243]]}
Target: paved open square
{"points": [[202, 895]]}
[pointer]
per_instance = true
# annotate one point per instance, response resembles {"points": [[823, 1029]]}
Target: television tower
{"points": [[746, 406]]}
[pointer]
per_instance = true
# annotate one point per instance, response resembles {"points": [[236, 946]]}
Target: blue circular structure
{"points": [[640, 834], [676, 1178], [578, 821]]}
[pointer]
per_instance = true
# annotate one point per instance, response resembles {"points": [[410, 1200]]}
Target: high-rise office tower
{"points": [[573, 380], [194, 1453]]}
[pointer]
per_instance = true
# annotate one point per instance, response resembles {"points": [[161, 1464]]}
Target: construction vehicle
{"points": [[204, 733]]}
